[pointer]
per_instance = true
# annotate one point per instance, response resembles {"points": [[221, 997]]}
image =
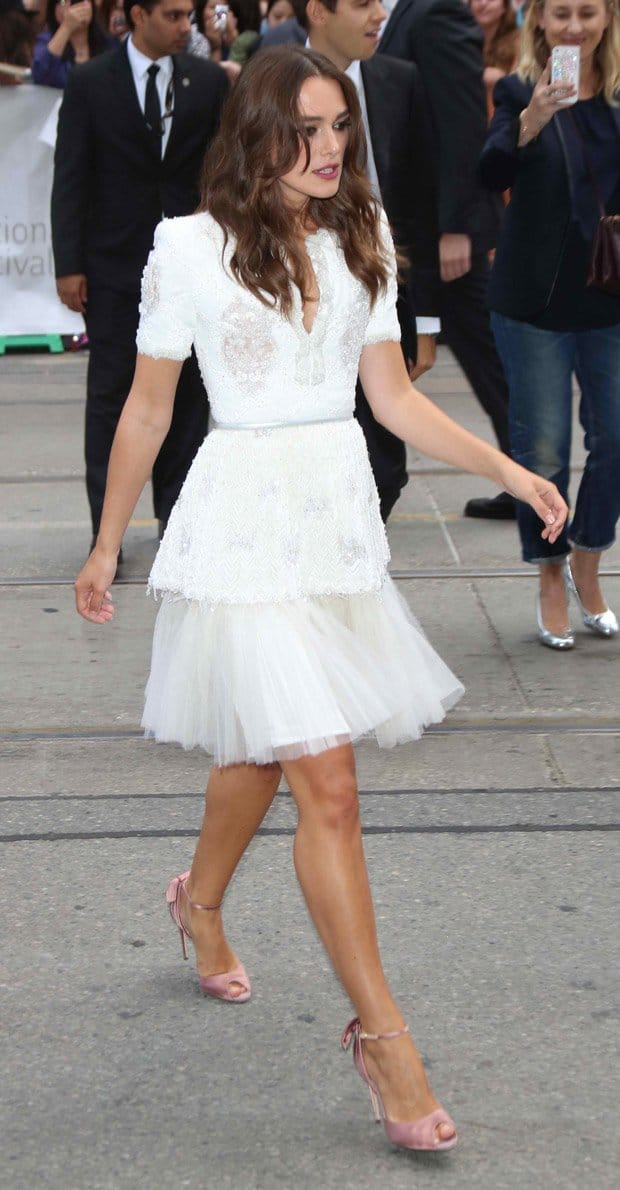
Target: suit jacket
{"points": [[402, 149], [443, 40], [111, 187], [533, 235]]}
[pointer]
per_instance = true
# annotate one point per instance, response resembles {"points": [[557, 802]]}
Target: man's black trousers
{"points": [[111, 323]]}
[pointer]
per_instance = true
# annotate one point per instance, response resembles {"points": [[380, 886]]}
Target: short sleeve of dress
{"points": [[383, 323], [167, 306]]}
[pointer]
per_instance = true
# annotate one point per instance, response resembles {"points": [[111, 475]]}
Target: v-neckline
{"points": [[315, 236], [315, 304]]}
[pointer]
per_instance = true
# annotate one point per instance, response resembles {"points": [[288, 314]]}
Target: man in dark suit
{"points": [[401, 171], [443, 40], [132, 133]]}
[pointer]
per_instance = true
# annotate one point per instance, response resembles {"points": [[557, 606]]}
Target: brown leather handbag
{"points": [[605, 263]]}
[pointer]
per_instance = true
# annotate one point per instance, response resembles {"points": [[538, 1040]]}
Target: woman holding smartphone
{"points": [[280, 638], [72, 35], [557, 148]]}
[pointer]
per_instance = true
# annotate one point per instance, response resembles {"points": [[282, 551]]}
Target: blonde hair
{"points": [[535, 50]]}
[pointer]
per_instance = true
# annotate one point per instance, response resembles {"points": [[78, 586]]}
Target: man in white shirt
{"points": [[132, 133]]}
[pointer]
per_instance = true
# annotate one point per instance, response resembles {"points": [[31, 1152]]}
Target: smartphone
{"points": [[220, 17], [18, 72], [565, 69]]}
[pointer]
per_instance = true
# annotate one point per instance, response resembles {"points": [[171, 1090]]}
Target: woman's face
{"points": [[281, 11], [574, 22], [487, 13], [326, 119]]}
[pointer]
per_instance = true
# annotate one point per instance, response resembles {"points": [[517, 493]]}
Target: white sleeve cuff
{"points": [[427, 326]]}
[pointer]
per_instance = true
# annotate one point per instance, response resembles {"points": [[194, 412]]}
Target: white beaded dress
{"points": [[279, 631]]}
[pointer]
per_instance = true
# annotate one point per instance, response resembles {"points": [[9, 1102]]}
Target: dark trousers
{"points": [[387, 454], [466, 328], [111, 323]]}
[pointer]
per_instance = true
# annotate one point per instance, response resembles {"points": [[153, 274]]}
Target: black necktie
{"points": [[152, 109]]}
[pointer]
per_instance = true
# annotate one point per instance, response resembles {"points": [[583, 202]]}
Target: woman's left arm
{"points": [[406, 412]]}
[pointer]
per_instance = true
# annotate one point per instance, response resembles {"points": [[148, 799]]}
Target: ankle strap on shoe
{"points": [[383, 1036], [354, 1030], [196, 904]]}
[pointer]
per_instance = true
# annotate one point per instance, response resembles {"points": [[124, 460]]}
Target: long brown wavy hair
{"points": [[259, 140]]}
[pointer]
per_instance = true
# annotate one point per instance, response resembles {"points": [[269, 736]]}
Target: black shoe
{"points": [[496, 508]]}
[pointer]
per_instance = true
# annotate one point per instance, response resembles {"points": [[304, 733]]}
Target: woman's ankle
{"points": [[584, 566]]}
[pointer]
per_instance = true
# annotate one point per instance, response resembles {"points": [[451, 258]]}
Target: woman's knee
{"points": [[334, 801]]}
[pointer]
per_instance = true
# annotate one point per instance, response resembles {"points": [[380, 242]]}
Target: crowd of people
{"points": [[288, 146]]}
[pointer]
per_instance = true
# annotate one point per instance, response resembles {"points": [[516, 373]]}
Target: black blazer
{"points": [[537, 218], [443, 40], [110, 186], [402, 149]]}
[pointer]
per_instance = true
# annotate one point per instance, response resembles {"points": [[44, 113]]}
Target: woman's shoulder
{"points": [[43, 39], [512, 90], [186, 235]]}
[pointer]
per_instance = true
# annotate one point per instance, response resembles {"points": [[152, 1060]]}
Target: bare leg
{"points": [[585, 567], [237, 800], [553, 598], [330, 865]]}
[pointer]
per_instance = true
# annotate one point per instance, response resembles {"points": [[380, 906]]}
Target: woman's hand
{"points": [[92, 596], [541, 494], [77, 16], [75, 19], [544, 102]]}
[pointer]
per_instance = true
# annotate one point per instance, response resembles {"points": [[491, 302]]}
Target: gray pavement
{"points": [[490, 844]]}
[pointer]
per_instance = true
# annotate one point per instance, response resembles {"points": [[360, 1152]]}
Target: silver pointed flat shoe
{"points": [[603, 623], [565, 641]]}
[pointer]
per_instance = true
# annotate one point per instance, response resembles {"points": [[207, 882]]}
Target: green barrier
{"points": [[53, 343]]}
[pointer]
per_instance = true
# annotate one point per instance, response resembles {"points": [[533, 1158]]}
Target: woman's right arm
{"points": [[143, 425], [49, 69], [515, 125]]}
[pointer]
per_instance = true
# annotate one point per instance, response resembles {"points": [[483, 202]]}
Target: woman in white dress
{"points": [[280, 637]]}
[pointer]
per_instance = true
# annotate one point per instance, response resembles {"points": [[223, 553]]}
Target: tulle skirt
{"points": [[275, 681]]}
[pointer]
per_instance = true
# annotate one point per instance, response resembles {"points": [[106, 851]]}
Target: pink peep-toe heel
{"points": [[420, 1134], [219, 986]]}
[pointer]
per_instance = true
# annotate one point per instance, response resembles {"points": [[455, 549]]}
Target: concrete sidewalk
{"points": [[489, 842]]}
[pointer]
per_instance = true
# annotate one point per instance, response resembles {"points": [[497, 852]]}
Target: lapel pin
{"points": [[185, 82]]}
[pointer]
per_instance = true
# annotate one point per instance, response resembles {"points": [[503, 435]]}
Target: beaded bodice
{"points": [[258, 366], [280, 504]]}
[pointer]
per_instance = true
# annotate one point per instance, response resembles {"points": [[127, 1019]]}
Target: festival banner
{"points": [[29, 304]]}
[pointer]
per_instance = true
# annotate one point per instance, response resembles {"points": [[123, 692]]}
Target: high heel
{"points": [[603, 623], [420, 1134], [219, 986], [553, 640]]}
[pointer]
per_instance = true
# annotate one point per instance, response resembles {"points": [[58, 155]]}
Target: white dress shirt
{"points": [[425, 325], [139, 68]]}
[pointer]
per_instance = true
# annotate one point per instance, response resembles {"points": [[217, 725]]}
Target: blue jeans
{"points": [[539, 365]]}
